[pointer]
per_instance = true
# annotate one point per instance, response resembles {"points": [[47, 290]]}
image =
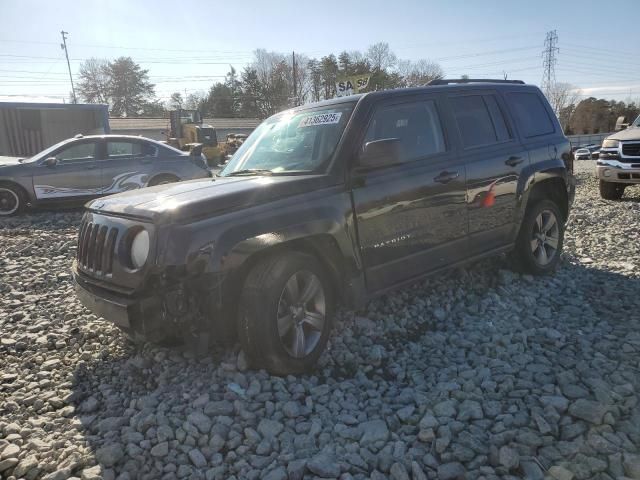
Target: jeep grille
{"points": [[96, 246]]}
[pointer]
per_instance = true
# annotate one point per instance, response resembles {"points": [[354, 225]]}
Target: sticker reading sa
{"points": [[320, 119]]}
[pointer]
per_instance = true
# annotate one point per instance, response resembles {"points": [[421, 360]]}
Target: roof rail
{"points": [[446, 81]]}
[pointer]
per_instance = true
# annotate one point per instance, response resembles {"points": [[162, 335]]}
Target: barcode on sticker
{"points": [[320, 119]]}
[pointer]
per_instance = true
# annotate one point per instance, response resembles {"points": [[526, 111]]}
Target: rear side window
{"points": [[502, 131], [474, 121], [129, 149], [530, 114], [416, 125]]}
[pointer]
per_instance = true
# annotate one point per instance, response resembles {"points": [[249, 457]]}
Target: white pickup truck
{"points": [[619, 162]]}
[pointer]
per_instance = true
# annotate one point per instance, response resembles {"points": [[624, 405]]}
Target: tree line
{"points": [[273, 82], [270, 83], [590, 115]]}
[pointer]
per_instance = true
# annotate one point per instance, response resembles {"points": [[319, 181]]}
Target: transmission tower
{"points": [[549, 61]]}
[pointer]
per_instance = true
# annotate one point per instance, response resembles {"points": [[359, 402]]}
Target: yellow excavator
{"points": [[187, 131]]}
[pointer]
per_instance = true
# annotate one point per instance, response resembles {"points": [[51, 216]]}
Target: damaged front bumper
{"points": [[142, 315], [176, 308]]}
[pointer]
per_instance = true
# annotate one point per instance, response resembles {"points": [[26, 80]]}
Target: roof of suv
{"points": [[436, 86]]}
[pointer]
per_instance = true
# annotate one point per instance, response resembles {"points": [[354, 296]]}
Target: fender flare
{"points": [[325, 236], [534, 175]]}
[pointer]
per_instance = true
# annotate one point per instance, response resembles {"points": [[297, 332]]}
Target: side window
{"points": [[502, 131], [416, 125], [78, 152], [124, 149], [474, 122], [530, 114]]}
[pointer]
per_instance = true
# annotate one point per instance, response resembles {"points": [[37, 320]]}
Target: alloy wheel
{"points": [[301, 313], [9, 201], [545, 238]]}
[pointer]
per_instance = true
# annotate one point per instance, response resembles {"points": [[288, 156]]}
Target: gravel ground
{"points": [[480, 373]]}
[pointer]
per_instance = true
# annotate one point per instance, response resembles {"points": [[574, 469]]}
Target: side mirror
{"points": [[381, 153], [51, 162]]}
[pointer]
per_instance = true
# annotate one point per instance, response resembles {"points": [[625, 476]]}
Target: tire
{"points": [[611, 190], [12, 200], [163, 180], [539, 243], [272, 312]]}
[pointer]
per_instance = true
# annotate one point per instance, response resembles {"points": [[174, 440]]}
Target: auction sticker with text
{"points": [[320, 119]]}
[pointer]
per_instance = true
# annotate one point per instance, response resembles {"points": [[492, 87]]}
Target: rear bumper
{"points": [[133, 315], [618, 172]]}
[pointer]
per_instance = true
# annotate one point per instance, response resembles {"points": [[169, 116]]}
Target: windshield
{"points": [[636, 123], [291, 142]]}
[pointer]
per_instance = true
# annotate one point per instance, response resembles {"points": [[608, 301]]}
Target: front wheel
{"points": [[539, 243], [285, 313], [611, 190]]}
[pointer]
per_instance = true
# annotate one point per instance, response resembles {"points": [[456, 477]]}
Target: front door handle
{"points": [[513, 161], [446, 177]]}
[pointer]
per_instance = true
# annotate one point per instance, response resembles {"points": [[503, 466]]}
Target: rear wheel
{"points": [[162, 180], [611, 190], [539, 243], [12, 200], [285, 313]]}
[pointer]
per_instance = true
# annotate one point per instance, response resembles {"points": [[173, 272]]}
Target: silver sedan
{"points": [[81, 168]]}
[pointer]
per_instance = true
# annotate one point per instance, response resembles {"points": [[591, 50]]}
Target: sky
{"points": [[187, 45]]}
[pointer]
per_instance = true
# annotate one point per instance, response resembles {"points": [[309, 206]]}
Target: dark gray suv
{"points": [[82, 168], [328, 203]]}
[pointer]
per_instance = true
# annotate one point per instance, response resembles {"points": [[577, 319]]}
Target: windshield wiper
{"points": [[250, 171]]}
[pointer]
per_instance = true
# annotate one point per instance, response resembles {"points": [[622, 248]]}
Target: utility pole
{"points": [[295, 80], [549, 62], [66, 53]]}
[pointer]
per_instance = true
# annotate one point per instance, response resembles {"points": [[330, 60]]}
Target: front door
{"points": [[126, 165], [411, 216], [74, 174], [495, 159]]}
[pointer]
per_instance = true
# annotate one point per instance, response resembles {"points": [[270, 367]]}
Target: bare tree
{"points": [[194, 101], [563, 98], [561, 95], [175, 101], [421, 72], [381, 57], [93, 85]]}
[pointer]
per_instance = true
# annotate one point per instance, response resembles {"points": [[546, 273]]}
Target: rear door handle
{"points": [[446, 177], [513, 161]]}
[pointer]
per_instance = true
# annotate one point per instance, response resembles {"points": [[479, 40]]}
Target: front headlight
{"points": [[610, 143], [140, 249]]}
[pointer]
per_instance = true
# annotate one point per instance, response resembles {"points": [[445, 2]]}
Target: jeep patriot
{"points": [[332, 203]]}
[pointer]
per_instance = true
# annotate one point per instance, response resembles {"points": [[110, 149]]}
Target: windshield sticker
{"points": [[320, 119]]}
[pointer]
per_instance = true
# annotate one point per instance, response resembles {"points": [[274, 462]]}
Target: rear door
{"points": [[494, 158], [411, 217], [126, 164], [75, 174]]}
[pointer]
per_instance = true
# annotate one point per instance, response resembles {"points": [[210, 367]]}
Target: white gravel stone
{"points": [[440, 379]]}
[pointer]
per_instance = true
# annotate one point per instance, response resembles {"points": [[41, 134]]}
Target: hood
{"points": [[10, 161], [204, 197], [631, 133]]}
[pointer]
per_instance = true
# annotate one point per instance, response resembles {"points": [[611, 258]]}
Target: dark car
{"points": [[82, 168], [333, 202]]}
